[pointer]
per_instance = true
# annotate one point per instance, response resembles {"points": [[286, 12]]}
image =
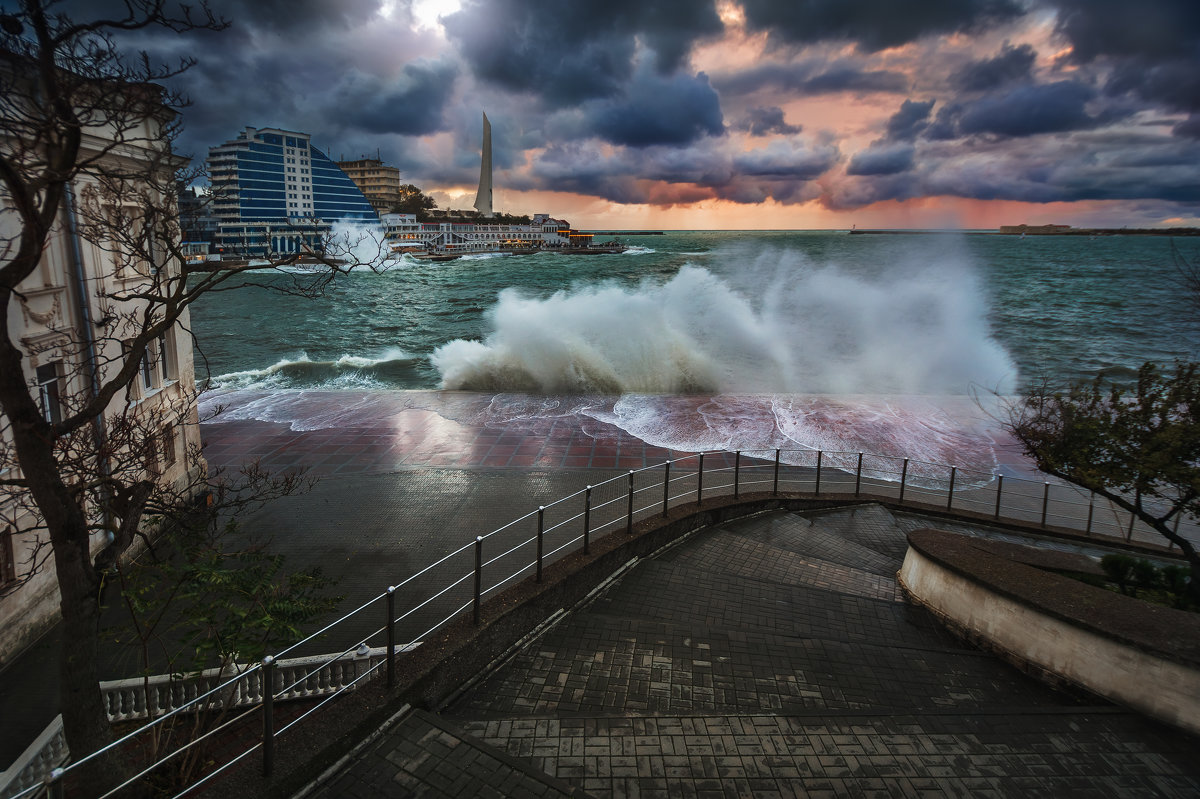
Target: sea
{"points": [[787, 326]]}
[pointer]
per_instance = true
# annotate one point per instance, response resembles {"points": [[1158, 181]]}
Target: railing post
{"points": [[700, 480], [775, 487], [629, 515], [268, 707], [1091, 509], [950, 493], [478, 577], [587, 518], [817, 487], [999, 491], [53, 783], [903, 479], [391, 636], [737, 472], [666, 485], [858, 476], [1045, 502], [541, 527]]}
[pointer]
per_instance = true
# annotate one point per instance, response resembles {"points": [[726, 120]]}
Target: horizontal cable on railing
{"points": [[347, 687], [435, 596], [1017, 497], [510, 550], [189, 789], [181, 750]]}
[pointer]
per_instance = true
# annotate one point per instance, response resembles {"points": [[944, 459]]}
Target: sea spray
{"points": [[344, 372], [770, 322]]}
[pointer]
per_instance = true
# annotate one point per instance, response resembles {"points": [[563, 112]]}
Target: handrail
{"points": [[917, 477]]}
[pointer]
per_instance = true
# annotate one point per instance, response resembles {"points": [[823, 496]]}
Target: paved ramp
{"points": [[775, 657]]}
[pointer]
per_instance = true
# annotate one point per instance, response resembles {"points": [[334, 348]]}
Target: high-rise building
{"points": [[378, 181], [276, 194]]}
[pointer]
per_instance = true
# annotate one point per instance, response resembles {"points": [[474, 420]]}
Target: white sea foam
{"points": [[360, 244], [344, 372], [773, 322]]}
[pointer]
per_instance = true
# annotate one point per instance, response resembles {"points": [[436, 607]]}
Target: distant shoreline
{"points": [[1064, 231]]}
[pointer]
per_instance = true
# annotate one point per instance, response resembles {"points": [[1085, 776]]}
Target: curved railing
{"points": [[461, 580]]}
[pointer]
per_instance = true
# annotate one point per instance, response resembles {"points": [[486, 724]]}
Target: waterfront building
{"points": [[71, 318], [378, 182], [463, 236], [274, 194]]}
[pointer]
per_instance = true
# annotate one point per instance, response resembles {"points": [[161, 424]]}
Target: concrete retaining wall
{"points": [[1144, 681]]}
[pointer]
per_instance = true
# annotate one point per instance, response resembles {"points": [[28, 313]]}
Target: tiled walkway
{"points": [[774, 657]]}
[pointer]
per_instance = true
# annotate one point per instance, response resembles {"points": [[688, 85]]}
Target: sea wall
{"points": [[1139, 655]]}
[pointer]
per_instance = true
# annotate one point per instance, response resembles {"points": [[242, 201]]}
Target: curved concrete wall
{"points": [[1148, 683]]}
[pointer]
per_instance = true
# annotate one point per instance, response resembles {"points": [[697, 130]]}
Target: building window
{"points": [[166, 356], [8, 565], [49, 379], [147, 369], [167, 444]]}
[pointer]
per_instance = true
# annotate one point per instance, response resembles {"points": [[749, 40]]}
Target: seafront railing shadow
{"points": [[404, 615]]}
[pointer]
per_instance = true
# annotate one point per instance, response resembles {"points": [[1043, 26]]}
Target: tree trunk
{"points": [[85, 720]]}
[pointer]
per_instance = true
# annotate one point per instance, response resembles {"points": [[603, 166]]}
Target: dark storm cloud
{"points": [[1190, 127], [1153, 29], [570, 53], [872, 24], [1029, 110], [1121, 165], [1011, 65], [658, 110], [781, 159], [907, 123], [882, 159], [764, 122], [784, 170], [292, 15], [812, 77], [1173, 84], [411, 104], [1151, 47]]}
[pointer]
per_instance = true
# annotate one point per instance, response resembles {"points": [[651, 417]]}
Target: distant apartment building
{"points": [[276, 194], [378, 181]]}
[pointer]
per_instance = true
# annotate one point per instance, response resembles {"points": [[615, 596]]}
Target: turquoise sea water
{"points": [[722, 312]]}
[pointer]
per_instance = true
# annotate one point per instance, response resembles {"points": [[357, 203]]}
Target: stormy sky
{"points": [[732, 113]]}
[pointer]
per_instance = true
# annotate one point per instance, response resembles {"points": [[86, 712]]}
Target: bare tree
{"points": [[98, 401]]}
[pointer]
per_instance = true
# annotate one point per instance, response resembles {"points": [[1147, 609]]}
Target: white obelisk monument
{"points": [[483, 200]]}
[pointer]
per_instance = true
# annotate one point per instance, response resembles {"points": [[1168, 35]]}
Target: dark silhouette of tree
{"points": [[414, 201], [1137, 446], [87, 160]]}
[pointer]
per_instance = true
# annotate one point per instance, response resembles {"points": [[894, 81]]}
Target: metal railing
{"points": [[460, 581]]}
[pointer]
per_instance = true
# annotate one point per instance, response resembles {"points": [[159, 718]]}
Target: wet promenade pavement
{"points": [[766, 674]]}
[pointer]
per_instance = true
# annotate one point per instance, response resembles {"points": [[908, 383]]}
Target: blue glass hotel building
{"points": [[275, 194]]}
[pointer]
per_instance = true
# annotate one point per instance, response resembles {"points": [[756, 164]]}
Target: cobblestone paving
{"points": [[767, 659], [421, 756]]}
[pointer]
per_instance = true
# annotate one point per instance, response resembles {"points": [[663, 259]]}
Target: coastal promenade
{"points": [[772, 656], [768, 657]]}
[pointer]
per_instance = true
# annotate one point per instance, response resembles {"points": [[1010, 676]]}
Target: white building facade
{"points": [[71, 326]]}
